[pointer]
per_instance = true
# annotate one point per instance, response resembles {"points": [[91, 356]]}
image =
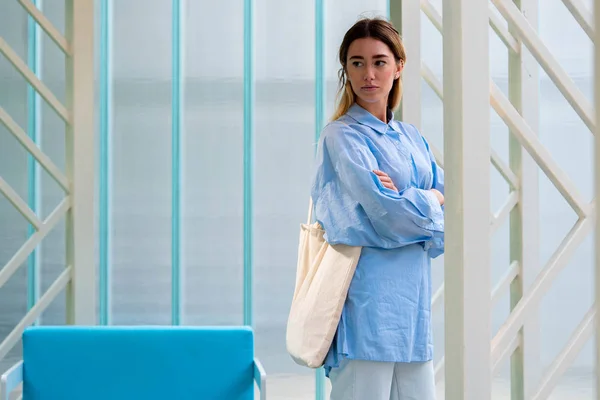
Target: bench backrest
{"points": [[74, 363]]}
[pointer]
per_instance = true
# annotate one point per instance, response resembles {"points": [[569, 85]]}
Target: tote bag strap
{"points": [[310, 203], [310, 211]]}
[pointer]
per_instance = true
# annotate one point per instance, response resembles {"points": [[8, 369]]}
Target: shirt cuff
{"points": [[437, 212]]}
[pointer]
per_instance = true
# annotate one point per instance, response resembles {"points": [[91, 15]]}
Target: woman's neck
{"points": [[379, 109]]}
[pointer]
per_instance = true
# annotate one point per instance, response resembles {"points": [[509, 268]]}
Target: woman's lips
{"points": [[369, 88]]}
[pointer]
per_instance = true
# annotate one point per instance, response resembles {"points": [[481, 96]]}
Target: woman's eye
{"points": [[380, 63], [357, 63]]}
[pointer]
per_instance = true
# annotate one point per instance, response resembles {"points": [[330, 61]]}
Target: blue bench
{"points": [[115, 362]]}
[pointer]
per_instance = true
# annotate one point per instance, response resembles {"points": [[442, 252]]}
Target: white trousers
{"points": [[370, 380]]}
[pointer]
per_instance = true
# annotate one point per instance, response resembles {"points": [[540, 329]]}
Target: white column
{"points": [[597, 183], [524, 232], [82, 292], [467, 157], [406, 17]]}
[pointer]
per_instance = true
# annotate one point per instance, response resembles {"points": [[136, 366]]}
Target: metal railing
{"points": [[76, 207], [466, 116]]}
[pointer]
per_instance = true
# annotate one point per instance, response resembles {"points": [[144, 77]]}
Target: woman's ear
{"points": [[399, 69]]}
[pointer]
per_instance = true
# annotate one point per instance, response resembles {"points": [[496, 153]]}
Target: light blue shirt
{"points": [[387, 314]]}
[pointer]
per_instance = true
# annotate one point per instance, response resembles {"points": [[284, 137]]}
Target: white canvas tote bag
{"points": [[323, 276]]}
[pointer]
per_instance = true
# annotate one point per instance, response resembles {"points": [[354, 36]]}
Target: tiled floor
{"points": [[294, 387], [282, 387]]}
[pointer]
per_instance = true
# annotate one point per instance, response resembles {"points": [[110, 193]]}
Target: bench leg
{"points": [[10, 380], [260, 377]]}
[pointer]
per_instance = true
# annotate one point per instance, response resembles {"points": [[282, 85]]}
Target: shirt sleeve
{"points": [[435, 247], [438, 172], [366, 213]]}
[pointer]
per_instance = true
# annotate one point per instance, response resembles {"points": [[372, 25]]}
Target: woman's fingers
{"points": [[381, 175], [389, 184], [385, 179]]}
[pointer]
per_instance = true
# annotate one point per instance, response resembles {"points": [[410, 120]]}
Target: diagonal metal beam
{"points": [[582, 15], [495, 22], [529, 37], [504, 283], [433, 15], [568, 354], [432, 81], [47, 26], [503, 214], [504, 170], [557, 262], [34, 240], [559, 76], [35, 151], [34, 81], [523, 133], [21, 206], [500, 165], [514, 345], [503, 33], [499, 289], [34, 313]]}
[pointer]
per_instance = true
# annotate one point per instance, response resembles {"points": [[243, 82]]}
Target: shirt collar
{"points": [[363, 117]]}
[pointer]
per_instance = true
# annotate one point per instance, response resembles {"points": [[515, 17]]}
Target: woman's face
{"points": [[371, 70]]}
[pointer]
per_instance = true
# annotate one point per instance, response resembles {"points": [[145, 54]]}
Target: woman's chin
{"points": [[370, 99]]}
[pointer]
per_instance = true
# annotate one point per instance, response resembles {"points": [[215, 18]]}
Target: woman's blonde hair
{"points": [[376, 28]]}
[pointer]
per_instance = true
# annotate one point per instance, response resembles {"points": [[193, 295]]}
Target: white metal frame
{"points": [[467, 155], [524, 215], [526, 137], [596, 36], [518, 337], [406, 16], [79, 276]]}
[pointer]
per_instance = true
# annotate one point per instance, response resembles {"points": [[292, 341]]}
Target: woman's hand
{"points": [[385, 180], [439, 196]]}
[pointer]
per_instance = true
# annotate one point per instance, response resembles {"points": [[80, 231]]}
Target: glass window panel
{"points": [[141, 155], [285, 134], [213, 167]]}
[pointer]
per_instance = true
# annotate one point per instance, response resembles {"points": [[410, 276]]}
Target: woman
{"points": [[377, 185]]}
